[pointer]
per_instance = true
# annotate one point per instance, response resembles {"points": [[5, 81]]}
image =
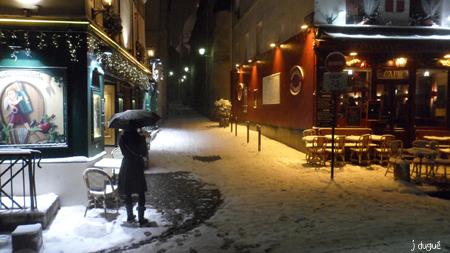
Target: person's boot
{"points": [[142, 221], [130, 216]]}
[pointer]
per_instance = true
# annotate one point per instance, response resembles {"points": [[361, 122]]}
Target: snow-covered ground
{"points": [[273, 202]]}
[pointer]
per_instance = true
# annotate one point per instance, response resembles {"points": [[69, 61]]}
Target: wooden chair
{"points": [[339, 148], [100, 188], [317, 151], [395, 152], [444, 152], [421, 144], [308, 132], [445, 162], [362, 149], [382, 149]]}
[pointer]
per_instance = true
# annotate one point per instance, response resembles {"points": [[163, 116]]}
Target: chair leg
{"points": [[445, 173], [387, 169]]}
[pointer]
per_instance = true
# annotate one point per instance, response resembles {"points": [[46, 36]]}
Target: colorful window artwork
{"points": [[32, 110]]}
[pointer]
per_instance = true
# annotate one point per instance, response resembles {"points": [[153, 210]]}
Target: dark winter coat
{"points": [[131, 175]]}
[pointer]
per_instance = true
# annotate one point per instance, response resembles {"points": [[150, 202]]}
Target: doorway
{"points": [[394, 110]]}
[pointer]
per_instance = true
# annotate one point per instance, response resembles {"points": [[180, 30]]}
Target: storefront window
{"points": [[430, 97], [33, 111], [357, 92], [97, 115]]}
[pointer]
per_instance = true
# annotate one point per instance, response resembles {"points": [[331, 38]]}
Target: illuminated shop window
{"points": [[33, 111], [97, 114], [430, 97], [357, 92]]}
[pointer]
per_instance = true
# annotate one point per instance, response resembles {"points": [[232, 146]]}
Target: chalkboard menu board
{"points": [[325, 109], [373, 110], [325, 112], [353, 116]]}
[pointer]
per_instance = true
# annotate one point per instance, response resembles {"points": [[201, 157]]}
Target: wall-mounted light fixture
{"points": [[151, 52], [202, 51], [353, 53], [31, 11], [107, 4], [400, 62], [273, 44]]}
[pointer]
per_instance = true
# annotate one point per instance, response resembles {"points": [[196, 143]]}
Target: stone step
{"points": [[47, 206]]}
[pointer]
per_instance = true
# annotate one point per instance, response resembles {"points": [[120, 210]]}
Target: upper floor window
{"points": [[399, 5]]}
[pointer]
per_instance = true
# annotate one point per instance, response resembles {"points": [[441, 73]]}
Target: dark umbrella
{"points": [[133, 119]]}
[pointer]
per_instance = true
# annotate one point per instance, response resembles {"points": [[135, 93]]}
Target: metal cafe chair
{"points": [[362, 149], [100, 189], [382, 150]]}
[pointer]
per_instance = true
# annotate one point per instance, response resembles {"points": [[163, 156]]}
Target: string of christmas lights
{"points": [[114, 63]]}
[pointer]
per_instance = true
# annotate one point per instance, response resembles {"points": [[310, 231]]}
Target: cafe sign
{"points": [[393, 74]]}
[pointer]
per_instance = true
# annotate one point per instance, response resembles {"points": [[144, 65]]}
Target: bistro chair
{"points": [[427, 161], [395, 152], [116, 153], [362, 149], [445, 162], [420, 143], [317, 152], [382, 149], [100, 189], [444, 152], [339, 149]]}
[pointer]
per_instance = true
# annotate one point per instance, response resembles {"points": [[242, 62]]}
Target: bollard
{"points": [[231, 122], [258, 127], [248, 130], [235, 126]]}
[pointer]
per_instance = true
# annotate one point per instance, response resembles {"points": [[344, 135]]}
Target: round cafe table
{"points": [[421, 153]]}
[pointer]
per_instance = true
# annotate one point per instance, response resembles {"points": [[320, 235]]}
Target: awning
{"points": [[332, 35]]}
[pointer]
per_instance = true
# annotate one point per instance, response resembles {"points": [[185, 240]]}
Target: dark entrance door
{"points": [[394, 109]]}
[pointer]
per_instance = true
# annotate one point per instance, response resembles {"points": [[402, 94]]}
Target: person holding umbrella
{"points": [[134, 148], [131, 175]]}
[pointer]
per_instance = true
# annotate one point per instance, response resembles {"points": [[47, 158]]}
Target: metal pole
{"points": [[332, 134], [258, 127], [248, 131], [235, 126], [231, 122]]}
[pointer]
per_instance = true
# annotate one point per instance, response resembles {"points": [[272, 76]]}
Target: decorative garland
{"points": [[118, 65], [115, 63]]}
